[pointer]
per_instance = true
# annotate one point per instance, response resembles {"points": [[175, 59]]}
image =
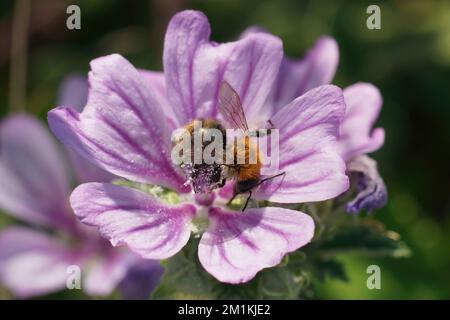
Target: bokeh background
{"points": [[408, 59]]}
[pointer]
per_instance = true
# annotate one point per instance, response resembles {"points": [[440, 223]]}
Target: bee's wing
{"points": [[230, 107]]}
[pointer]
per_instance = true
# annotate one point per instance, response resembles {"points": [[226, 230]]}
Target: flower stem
{"points": [[19, 47]]}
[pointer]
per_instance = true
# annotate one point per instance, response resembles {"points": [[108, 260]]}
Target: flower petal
{"points": [[157, 82], [32, 263], [33, 185], [372, 192], [73, 92], [122, 128], [141, 279], [195, 67], [123, 215], [239, 245], [87, 171], [364, 103], [308, 128], [104, 274], [296, 77]]}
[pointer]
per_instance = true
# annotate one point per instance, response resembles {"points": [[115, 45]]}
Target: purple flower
{"points": [[356, 140], [74, 92], [35, 188], [363, 104], [372, 193], [126, 127], [318, 67]]}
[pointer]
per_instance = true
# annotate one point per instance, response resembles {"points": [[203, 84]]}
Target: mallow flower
{"points": [[45, 254], [126, 129], [363, 104]]}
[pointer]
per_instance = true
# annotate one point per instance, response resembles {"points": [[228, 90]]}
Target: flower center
{"points": [[204, 199], [201, 222]]}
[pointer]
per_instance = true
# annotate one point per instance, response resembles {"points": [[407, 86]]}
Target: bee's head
{"points": [[204, 178]]}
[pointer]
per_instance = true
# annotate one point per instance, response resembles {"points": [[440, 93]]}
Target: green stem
{"points": [[19, 48]]}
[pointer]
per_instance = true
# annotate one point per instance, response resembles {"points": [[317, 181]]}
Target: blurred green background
{"points": [[408, 59]]}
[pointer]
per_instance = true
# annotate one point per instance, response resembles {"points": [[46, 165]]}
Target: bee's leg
{"points": [[272, 177], [269, 178], [248, 199], [232, 198]]}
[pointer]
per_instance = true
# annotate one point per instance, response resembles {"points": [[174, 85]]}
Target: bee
{"points": [[204, 177], [247, 175]]}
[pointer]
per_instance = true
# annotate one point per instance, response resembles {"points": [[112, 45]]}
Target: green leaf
{"points": [[331, 268], [185, 278], [366, 237]]}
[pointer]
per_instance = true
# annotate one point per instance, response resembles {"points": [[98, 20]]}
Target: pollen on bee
{"points": [[203, 178]]}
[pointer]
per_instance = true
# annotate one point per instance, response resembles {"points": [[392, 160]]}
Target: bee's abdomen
{"points": [[246, 185], [249, 171], [251, 168]]}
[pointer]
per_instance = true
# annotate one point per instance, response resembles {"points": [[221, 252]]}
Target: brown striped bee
{"points": [[246, 165], [204, 177], [248, 174]]}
